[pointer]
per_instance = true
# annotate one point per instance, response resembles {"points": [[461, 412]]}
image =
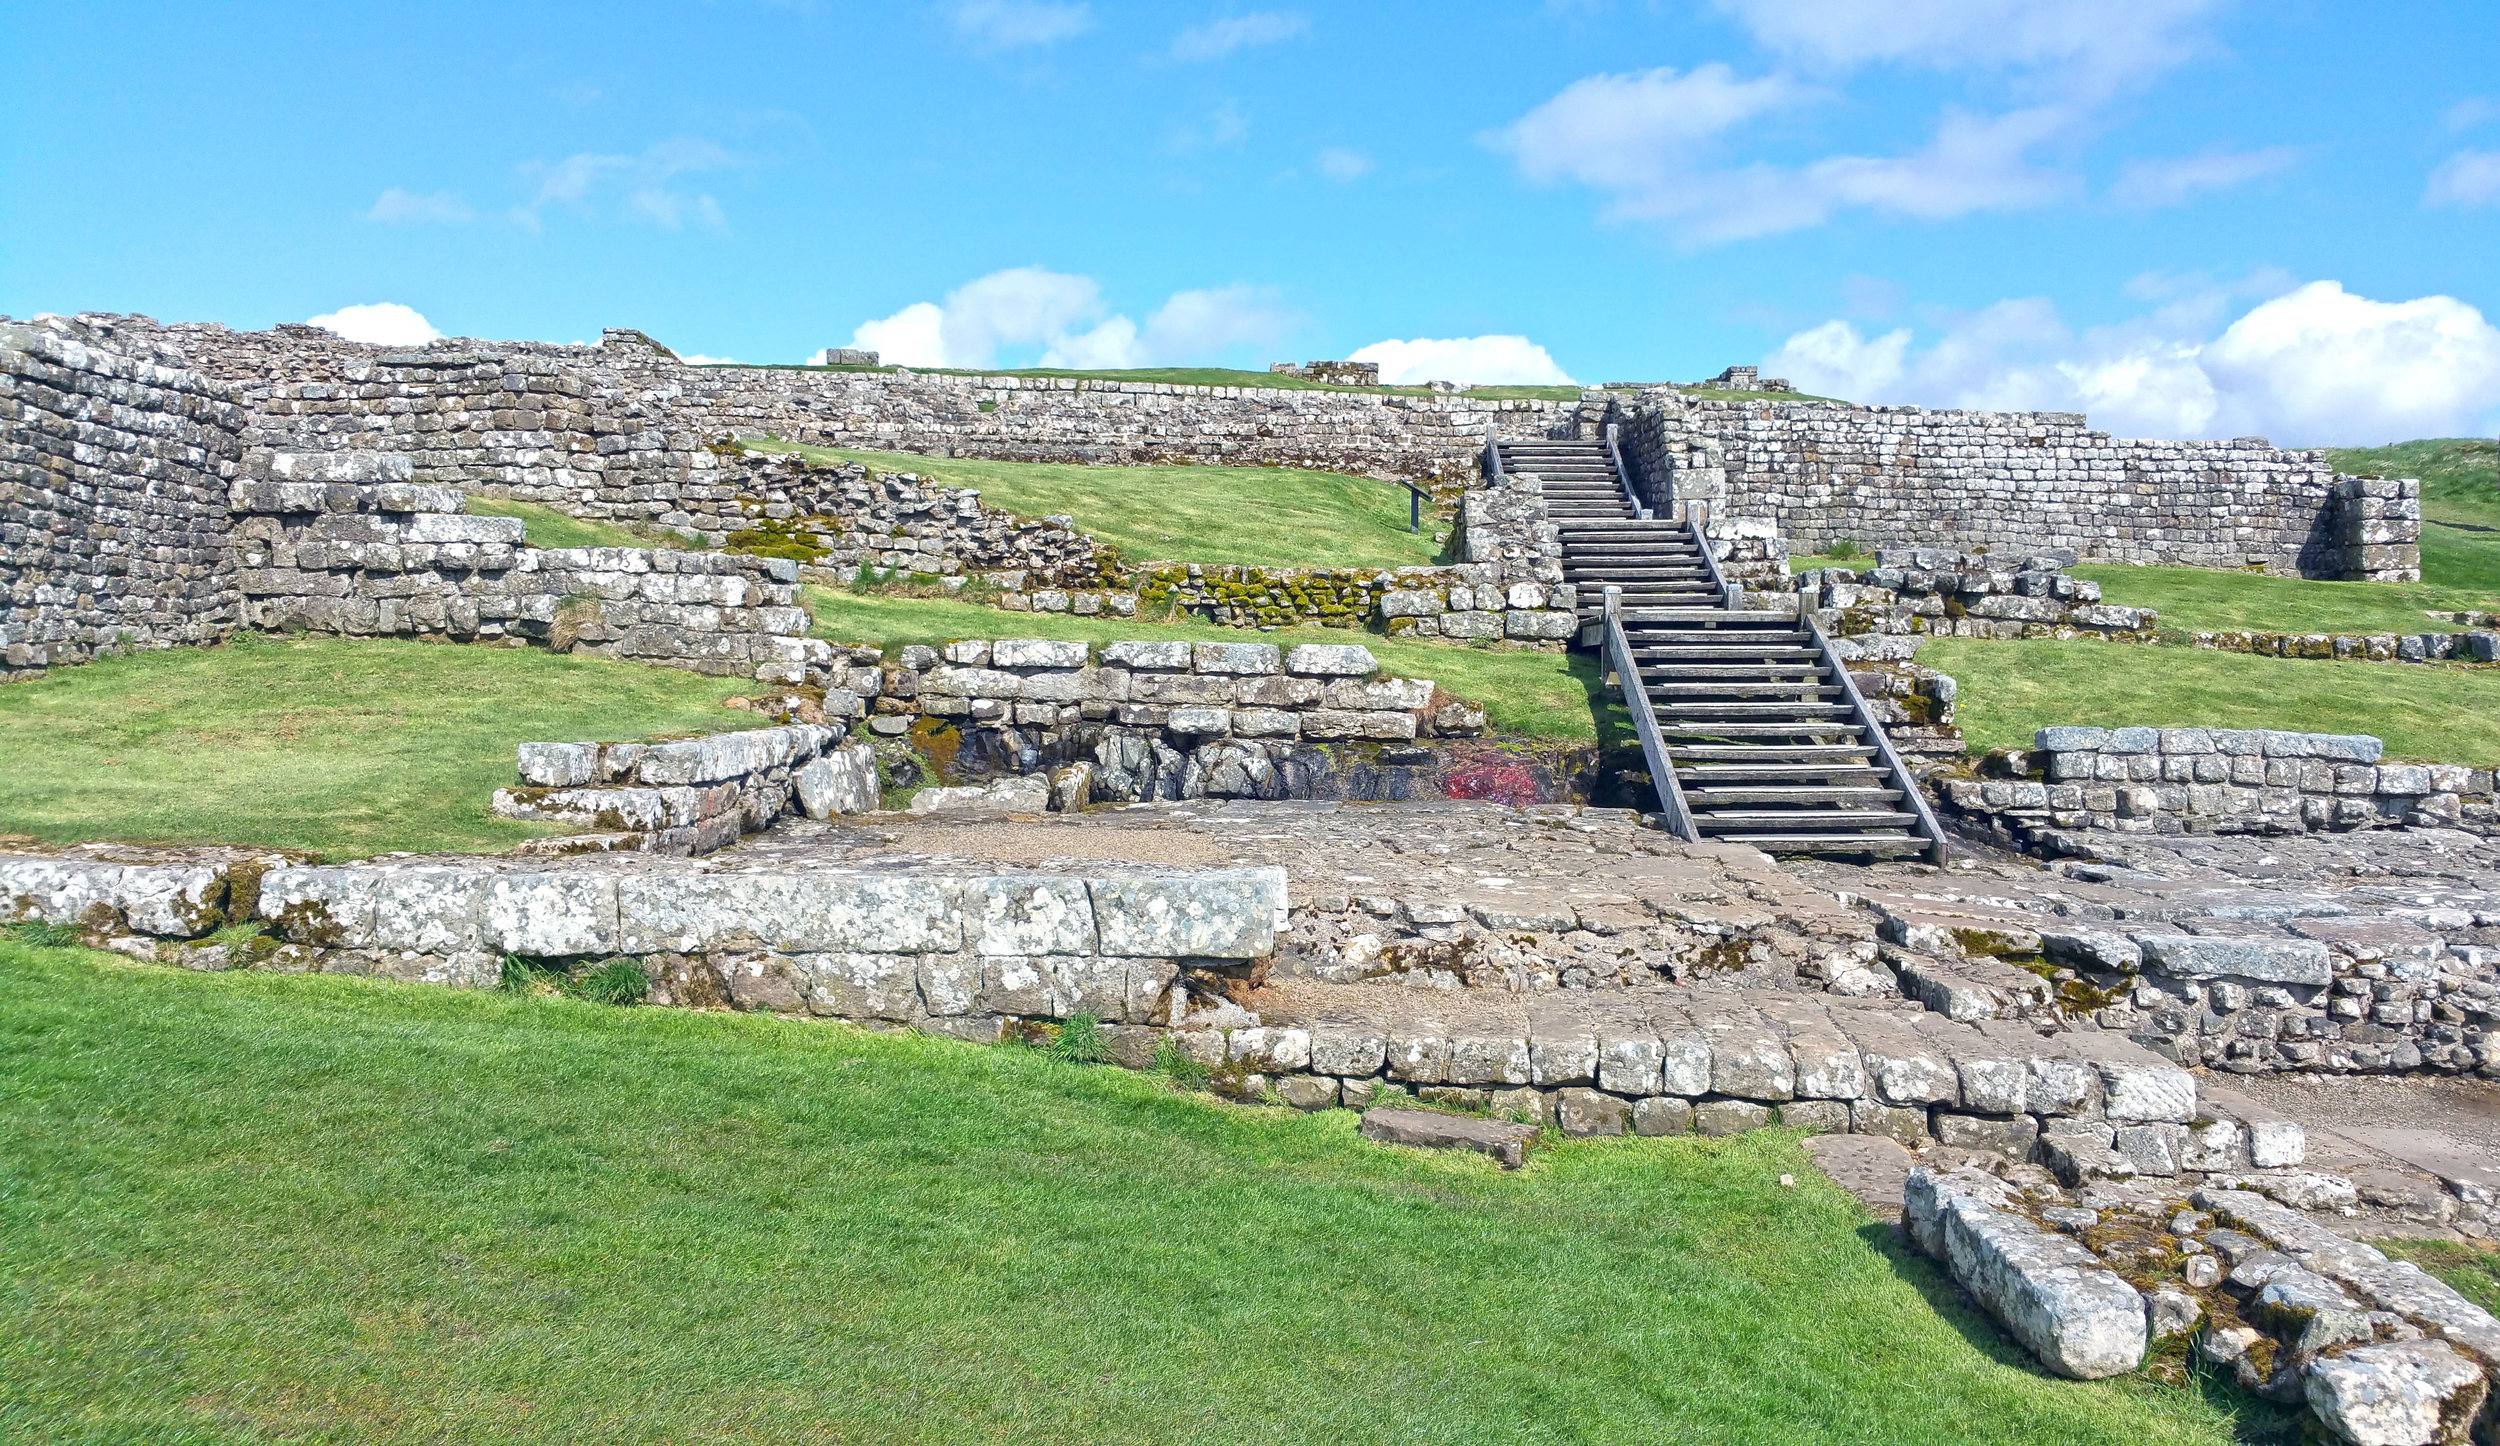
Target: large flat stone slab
{"points": [[1432, 1130]]}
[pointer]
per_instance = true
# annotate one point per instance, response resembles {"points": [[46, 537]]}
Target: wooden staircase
{"points": [[1753, 730]]}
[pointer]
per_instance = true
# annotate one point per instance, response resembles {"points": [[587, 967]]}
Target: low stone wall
{"points": [[2210, 780], [970, 954], [1969, 595], [113, 476], [343, 543], [690, 796], [2473, 647]]}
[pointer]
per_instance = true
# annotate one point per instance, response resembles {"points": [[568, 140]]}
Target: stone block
{"points": [[1584, 1112], [1662, 1115], [1429, 1129], [1034, 653], [543, 916], [2269, 960], [1235, 658], [1729, 1117], [2399, 1393], [2049, 1292], [1331, 660], [1820, 1117], [1027, 914], [1148, 657], [1227, 914], [2011, 1136]]}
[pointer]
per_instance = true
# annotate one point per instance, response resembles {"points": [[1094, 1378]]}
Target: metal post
{"points": [[1414, 511]]}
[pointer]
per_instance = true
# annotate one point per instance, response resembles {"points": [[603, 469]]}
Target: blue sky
{"points": [[2188, 217]]}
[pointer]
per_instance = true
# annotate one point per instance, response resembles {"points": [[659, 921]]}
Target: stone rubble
{"points": [[2091, 1279]]}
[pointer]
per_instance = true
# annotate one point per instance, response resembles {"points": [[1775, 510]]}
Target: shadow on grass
{"points": [[2253, 1420]]}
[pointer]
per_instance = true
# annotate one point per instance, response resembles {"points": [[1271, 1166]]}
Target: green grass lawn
{"points": [[346, 747], [550, 528], [2429, 712], [1260, 516], [250, 1208], [1528, 694], [2199, 600]]}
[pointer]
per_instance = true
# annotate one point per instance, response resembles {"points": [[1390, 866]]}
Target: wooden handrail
{"points": [[1697, 517], [1865, 717], [1645, 722]]}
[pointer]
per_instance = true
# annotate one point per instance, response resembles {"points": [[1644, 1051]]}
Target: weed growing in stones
{"points": [[1178, 1068], [618, 981], [36, 934], [1079, 1041]]}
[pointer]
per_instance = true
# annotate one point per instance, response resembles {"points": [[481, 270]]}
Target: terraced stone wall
{"points": [[341, 542]]}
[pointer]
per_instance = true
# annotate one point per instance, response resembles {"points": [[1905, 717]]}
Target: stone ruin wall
{"points": [[615, 430], [145, 504], [1825, 473], [113, 476]]}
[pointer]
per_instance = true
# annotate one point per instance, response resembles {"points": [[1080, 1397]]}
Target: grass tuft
{"points": [[619, 981], [1079, 1041], [36, 934]]}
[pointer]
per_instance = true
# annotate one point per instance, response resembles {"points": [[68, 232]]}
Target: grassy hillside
{"points": [[246, 1208], [1529, 694], [2427, 712], [1261, 516], [344, 746]]}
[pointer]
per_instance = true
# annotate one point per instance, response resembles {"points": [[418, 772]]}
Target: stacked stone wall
{"points": [[113, 476], [341, 543], [616, 429], [2212, 780], [1828, 473]]}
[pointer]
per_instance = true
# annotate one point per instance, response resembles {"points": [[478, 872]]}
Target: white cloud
{"points": [[2471, 112], [912, 337], [1015, 24], [698, 359], [2316, 366], [640, 183], [1651, 142], [1341, 165], [2466, 180], [2085, 44], [2147, 184], [398, 205], [1219, 38], [1489, 360], [1658, 144], [1224, 126], [1635, 135], [382, 323], [1064, 315]]}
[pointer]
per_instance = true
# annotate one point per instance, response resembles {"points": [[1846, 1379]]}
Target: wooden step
{"points": [[1804, 821], [1722, 797]]}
